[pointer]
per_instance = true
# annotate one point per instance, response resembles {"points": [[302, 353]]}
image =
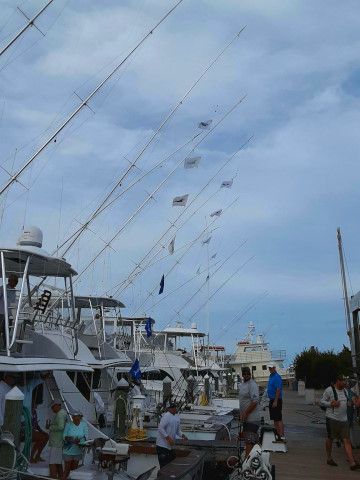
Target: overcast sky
{"points": [[294, 182]]}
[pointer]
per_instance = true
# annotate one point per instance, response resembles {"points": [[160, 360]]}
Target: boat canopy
{"points": [[41, 364], [41, 264], [182, 332], [93, 302]]}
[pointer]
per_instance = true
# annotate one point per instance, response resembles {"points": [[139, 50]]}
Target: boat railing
{"points": [[278, 355]]}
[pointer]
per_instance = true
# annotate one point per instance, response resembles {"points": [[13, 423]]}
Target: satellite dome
{"points": [[31, 236]]}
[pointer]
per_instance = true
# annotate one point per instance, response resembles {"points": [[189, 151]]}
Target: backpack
{"points": [[323, 408]]}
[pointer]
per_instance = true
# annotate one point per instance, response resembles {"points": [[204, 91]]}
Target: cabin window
{"points": [[71, 375], [264, 367], [83, 382], [38, 395], [96, 378], [253, 368]]}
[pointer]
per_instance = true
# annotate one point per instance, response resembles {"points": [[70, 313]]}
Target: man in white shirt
{"points": [[335, 400], [168, 431], [5, 386], [11, 297], [250, 413]]}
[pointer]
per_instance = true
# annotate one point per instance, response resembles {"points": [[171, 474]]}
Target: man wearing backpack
{"points": [[335, 400]]}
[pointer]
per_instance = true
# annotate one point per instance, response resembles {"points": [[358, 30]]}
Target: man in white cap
{"points": [[274, 391], [56, 432], [168, 431]]}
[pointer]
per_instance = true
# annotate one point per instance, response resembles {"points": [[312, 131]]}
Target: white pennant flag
{"points": [[204, 242], [171, 246], [192, 162], [217, 213], [213, 256], [226, 184], [180, 201], [205, 125]]}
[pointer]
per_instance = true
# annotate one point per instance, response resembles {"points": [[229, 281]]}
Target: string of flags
{"points": [[205, 125], [226, 184], [180, 201], [192, 162]]}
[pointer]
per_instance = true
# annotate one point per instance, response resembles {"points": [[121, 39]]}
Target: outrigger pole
{"points": [[29, 24], [120, 180], [350, 329], [84, 103]]}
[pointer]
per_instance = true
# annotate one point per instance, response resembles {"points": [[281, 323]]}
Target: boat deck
{"points": [[306, 434]]}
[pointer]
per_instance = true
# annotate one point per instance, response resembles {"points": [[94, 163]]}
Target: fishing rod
{"points": [[135, 270], [183, 255], [14, 178], [154, 135], [31, 23], [206, 282]]}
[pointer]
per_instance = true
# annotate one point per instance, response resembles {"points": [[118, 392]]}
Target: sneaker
{"points": [[332, 463], [355, 467]]}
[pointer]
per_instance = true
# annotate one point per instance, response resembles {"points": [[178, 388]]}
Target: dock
{"points": [[306, 433]]}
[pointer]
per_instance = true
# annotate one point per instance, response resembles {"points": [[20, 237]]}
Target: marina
{"points": [[177, 298]]}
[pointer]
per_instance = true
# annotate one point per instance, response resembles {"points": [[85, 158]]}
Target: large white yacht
{"points": [[254, 352]]}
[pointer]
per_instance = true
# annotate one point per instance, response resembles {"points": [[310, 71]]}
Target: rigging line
{"points": [[252, 304], [221, 286], [134, 271], [183, 255], [85, 102], [177, 288], [153, 260], [29, 24], [103, 206], [206, 282], [160, 127], [127, 222]]}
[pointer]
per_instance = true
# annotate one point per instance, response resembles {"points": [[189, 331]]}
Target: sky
{"points": [[290, 147]]}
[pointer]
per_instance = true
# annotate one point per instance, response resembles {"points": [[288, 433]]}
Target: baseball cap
{"points": [[55, 402], [271, 365], [172, 405]]}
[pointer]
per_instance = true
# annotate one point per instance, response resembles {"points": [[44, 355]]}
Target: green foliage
{"points": [[318, 369]]}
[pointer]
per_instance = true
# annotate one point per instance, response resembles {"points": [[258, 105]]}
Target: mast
{"points": [[29, 24], [14, 178], [350, 331]]}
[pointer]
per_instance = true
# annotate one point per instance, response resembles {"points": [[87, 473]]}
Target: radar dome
{"points": [[31, 237]]}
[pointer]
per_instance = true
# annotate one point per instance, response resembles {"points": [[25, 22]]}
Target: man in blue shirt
{"points": [[274, 391]]}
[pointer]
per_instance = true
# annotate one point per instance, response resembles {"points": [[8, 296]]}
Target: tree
{"points": [[319, 369]]}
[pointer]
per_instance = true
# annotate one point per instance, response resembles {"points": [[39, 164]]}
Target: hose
{"points": [[22, 460]]}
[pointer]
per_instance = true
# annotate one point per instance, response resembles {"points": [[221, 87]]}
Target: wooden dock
{"points": [[306, 434]]}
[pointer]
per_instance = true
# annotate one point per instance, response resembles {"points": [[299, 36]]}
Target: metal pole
{"points": [[84, 103], [6, 312], [19, 302], [29, 24]]}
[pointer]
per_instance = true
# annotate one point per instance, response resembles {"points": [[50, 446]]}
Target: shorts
{"points": [[250, 432], [55, 456], [275, 413], [337, 430]]}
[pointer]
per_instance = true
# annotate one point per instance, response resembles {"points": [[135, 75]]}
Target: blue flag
{"points": [[135, 371], [148, 327], [162, 284]]}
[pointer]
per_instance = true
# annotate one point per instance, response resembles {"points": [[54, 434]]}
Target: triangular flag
{"points": [[180, 201], [226, 184], [205, 125], [162, 284], [207, 278], [192, 162], [217, 213], [171, 246], [204, 242], [213, 256]]}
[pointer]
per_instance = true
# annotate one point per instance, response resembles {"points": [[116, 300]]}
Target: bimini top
{"points": [[41, 264], [85, 301], [41, 364], [180, 331]]}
